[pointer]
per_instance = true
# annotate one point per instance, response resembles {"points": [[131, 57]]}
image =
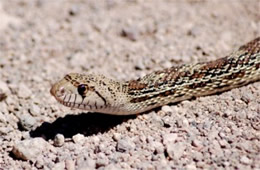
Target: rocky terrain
{"points": [[42, 40]]}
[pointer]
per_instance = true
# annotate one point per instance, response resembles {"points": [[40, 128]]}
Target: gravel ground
{"points": [[42, 40]]}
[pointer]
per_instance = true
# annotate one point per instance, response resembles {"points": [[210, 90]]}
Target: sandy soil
{"points": [[42, 40]]}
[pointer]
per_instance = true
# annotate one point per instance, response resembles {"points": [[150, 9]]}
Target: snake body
{"points": [[97, 93]]}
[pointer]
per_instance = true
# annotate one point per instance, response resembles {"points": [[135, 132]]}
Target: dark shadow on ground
{"points": [[86, 124]]}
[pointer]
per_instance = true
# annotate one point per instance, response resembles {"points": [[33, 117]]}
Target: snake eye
{"points": [[81, 89]]}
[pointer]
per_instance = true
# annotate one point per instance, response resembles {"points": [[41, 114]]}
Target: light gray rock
{"points": [[30, 149], [78, 139], [59, 140], [140, 64], [132, 33], [74, 10], [170, 138], [95, 140], [112, 167], [4, 109], [87, 164], [223, 143], [196, 143], [102, 162], [175, 151], [39, 163], [59, 166], [156, 120], [69, 164], [24, 91], [167, 109], [245, 160], [2, 118], [27, 122], [116, 136], [191, 167], [125, 145], [4, 87], [35, 110], [5, 130], [197, 156], [158, 147]]}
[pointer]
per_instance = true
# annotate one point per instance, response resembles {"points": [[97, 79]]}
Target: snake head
{"points": [[81, 91]]}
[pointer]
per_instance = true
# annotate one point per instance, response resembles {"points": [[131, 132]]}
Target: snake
{"points": [[98, 93]]}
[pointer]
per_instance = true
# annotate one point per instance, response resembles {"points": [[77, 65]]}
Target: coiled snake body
{"points": [[98, 93]]}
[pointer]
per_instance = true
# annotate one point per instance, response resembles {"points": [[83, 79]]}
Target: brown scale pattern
{"points": [[194, 76]]}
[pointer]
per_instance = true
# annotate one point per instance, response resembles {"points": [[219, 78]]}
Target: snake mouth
{"points": [[67, 100], [76, 105]]}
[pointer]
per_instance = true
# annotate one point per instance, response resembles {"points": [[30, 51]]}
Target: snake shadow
{"points": [[86, 124]]}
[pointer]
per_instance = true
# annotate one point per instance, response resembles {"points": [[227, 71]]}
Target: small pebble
{"points": [[140, 65], [5, 130], [4, 87], [86, 164], [167, 109], [2, 118], [59, 166], [223, 143], [247, 97], [39, 163], [24, 91], [156, 120], [69, 164], [194, 31], [191, 167], [116, 136], [124, 145], [222, 135], [185, 122], [78, 139], [35, 110], [27, 122], [170, 138], [95, 140], [131, 33], [74, 10], [102, 162], [167, 122], [112, 167], [198, 156], [196, 143], [158, 147], [245, 160], [175, 151], [59, 140], [26, 135]]}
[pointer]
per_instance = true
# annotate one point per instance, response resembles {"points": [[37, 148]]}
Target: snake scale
{"points": [[97, 93]]}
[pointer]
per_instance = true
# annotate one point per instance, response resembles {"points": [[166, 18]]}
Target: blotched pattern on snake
{"points": [[97, 93]]}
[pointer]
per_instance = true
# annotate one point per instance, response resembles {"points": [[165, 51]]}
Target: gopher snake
{"points": [[98, 93]]}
